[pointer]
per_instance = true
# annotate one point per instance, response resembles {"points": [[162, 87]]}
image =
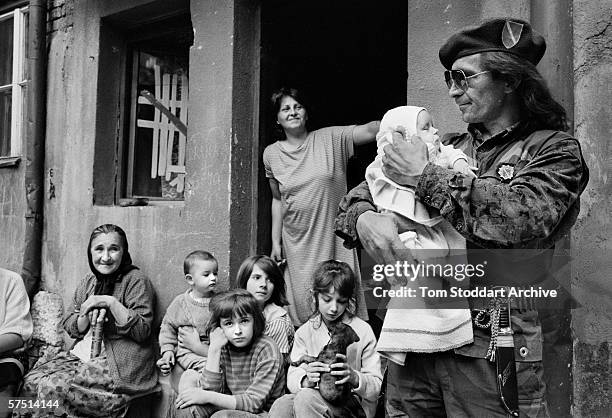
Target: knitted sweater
{"points": [[129, 348], [14, 311], [254, 375], [311, 337], [184, 311]]}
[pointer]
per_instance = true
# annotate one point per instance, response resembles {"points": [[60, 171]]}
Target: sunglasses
{"points": [[459, 78]]}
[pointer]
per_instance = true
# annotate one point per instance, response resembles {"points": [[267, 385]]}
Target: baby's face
{"points": [[425, 128]]}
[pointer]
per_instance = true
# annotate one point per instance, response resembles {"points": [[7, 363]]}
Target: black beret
{"points": [[513, 36]]}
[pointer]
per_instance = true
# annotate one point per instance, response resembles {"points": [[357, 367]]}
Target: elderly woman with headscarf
{"points": [[101, 379]]}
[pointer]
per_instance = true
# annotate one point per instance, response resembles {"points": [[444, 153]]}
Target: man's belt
{"points": [[522, 303]]}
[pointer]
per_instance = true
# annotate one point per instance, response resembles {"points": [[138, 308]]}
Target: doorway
{"points": [[348, 56]]}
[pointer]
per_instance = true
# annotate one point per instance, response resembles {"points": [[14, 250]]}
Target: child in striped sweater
{"points": [[244, 372], [263, 279]]}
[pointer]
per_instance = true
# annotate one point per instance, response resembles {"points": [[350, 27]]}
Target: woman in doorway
{"points": [[307, 175], [102, 379]]}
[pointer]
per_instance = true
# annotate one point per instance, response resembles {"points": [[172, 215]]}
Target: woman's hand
{"points": [[166, 362], [404, 161], [313, 373], [87, 318], [97, 301], [97, 315], [345, 371], [217, 339], [119, 312], [276, 253], [192, 396]]}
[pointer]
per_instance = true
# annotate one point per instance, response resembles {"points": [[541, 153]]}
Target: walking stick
{"points": [[96, 336]]}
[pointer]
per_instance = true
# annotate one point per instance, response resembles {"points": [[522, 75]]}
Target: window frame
{"points": [[129, 114], [118, 33], [18, 84]]}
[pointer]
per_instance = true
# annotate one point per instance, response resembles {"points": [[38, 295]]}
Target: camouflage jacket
{"points": [[524, 199]]}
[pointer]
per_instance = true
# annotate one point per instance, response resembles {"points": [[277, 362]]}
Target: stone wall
{"points": [[591, 244]]}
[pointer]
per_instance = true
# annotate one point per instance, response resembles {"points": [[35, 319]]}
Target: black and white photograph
{"points": [[325, 208]]}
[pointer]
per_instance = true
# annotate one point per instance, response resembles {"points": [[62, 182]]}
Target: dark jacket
{"points": [[524, 199]]}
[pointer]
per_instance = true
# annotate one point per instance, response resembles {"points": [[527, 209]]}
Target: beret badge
{"points": [[511, 33], [506, 172]]}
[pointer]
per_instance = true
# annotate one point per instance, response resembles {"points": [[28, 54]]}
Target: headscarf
{"points": [[105, 283]]}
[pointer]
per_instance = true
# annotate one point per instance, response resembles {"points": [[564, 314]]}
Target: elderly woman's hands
{"points": [[94, 310], [405, 160], [96, 303]]}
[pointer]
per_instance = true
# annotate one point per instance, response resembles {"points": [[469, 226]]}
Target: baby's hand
{"points": [[166, 362], [462, 166], [189, 338]]}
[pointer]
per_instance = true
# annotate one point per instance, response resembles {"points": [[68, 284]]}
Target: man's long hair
{"points": [[539, 109]]}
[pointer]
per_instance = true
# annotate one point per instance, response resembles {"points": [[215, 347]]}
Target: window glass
{"points": [[6, 51], [5, 122], [6, 87], [26, 23]]}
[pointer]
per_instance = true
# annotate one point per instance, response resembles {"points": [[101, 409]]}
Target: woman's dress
{"points": [[312, 181]]}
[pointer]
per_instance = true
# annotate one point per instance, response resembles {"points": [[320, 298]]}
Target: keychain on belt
{"points": [[501, 352]]}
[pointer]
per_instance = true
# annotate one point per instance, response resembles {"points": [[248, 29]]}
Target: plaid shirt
{"points": [[524, 199], [129, 348]]}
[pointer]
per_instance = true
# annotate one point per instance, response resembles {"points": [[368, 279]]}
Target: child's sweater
{"points": [[254, 375], [311, 337], [184, 311]]}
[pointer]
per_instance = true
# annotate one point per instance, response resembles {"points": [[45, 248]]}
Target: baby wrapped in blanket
{"points": [[425, 326]]}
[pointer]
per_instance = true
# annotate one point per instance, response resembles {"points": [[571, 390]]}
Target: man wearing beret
{"points": [[522, 201]]}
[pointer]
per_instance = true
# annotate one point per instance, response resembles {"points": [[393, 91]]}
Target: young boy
{"points": [[181, 336]]}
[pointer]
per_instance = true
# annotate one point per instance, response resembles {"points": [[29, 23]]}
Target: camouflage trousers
{"points": [[449, 384]]}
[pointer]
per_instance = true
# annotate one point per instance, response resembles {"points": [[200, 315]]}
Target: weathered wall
{"points": [[591, 244], [245, 129], [160, 236], [430, 23]]}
